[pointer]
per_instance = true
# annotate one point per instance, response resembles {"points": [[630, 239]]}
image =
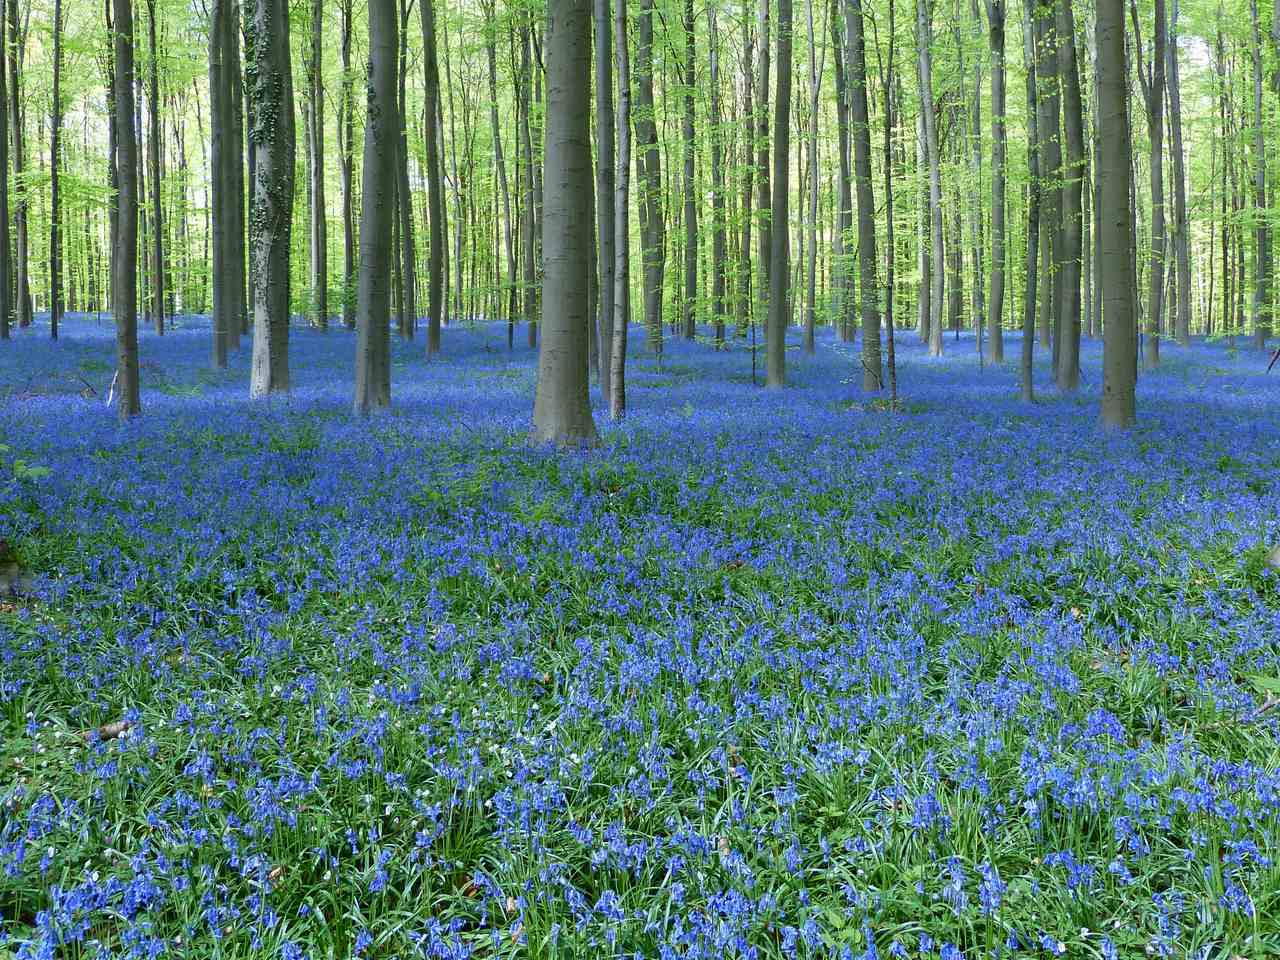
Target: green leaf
{"points": [[1265, 684]]}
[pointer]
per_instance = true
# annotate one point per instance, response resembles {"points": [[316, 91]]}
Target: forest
{"points": [[639, 479]]}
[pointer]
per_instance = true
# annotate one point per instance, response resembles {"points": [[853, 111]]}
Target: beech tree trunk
{"points": [[561, 408], [938, 267], [779, 263], [274, 148], [1262, 231], [840, 279], [55, 211], [155, 146], [124, 241], [435, 198], [690, 187], [6, 227], [1181, 226], [621, 224], [377, 211], [1070, 260], [868, 285], [319, 229], [719, 255], [22, 260], [605, 185], [1033, 210], [996, 15], [1152, 82], [649, 168], [348, 165]]}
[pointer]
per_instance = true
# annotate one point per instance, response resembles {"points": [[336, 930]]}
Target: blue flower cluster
{"points": [[769, 674]]}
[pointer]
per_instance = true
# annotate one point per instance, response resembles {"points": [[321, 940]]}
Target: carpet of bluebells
{"points": [[767, 674]]}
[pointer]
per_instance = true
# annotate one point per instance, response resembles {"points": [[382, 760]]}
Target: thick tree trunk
{"points": [[779, 254], [435, 191], [377, 212], [924, 40], [124, 245], [348, 165], [1117, 285], [868, 285], [621, 225], [561, 408], [924, 222], [274, 148], [996, 14], [605, 185], [649, 167], [55, 163], [319, 228], [155, 145], [239, 187], [1070, 260], [690, 187], [1181, 226], [1262, 266]]}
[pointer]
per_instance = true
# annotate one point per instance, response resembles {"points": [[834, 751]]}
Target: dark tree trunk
{"points": [[621, 225], [1181, 226], [690, 187], [407, 263], [1033, 212], [779, 263], [1070, 260], [124, 246], [868, 285], [649, 167], [348, 165], [435, 204], [55, 211], [22, 260], [319, 228], [155, 145], [996, 14], [604, 190]]}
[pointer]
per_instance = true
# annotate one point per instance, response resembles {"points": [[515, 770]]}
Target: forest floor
{"points": [[768, 674]]}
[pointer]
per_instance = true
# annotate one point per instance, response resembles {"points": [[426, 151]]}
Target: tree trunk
{"points": [[435, 199], [890, 249], [690, 187], [348, 165], [377, 211], [55, 212], [746, 302], [719, 254], [977, 295], [605, 185], [319, 229], [868, 285], [154, 163], [407, 263], [274, 148], [1048, 111], [22, 270], [1033, 210], [1068, 370], [222, 218], [649, 167], [924, 40], [499, 160], [1117, 285], [1181, 226], [6, 236], [124, 245], [996, 13], [811, 220], [840, 282], [239, 188], [1262, 231], [528, 223], [1152, 83], [621, 227], [779, 253], [561, 408], [764, 215]]}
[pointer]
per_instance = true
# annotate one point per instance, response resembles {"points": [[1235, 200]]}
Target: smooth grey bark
{"points": [[155, 146], [811, 220], [407, 264], [499, 159], [124, 241], [996, 16], [22, 260], [779, 253], [561, 408], [621, 225], [1152, 83], [1181, 225], [868, 285], [222, 219], [605, 184], [1033, 211], [527, 220], [649, 169], [719, 253], [690, 186], [1070, 259], [1262, 266], [1048, 109], [841, 285], [890, 119], [924, 58], [764, 212], [924, 256], [435, 203], [377, 211], [977, 290], [746, 302], [1117, 283], [348, 171], [319, 236], [6, 227], [55, 210], [240, 187]]}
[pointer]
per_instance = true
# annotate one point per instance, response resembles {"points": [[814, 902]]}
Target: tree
{"points": [[6, 237], [621, 222], [929, 123], [381, 146], [1033, 210], [649, 173], [690, 187], [22, 286], [154, 165], [1181, 240], [348, 165], [55, 211], [319, 236], [270, 80], [604, 187], [124, 241], [1262, 307], [779, 263], [1117, 284], [1048, 110], [222, 32], [435, 208], [844, 213], [1151, 79], [1071, 259], [719, 252], [868, 287], [996, 13], [561, 408]]}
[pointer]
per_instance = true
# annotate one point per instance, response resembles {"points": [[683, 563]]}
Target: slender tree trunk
{"points": [[746, 302], [765, 216], [236, 237], [924, 40], [811, 225], [435, 200], [6, 227], [274, 147], [719, 255], [779, 264], [55, 163], [1033, 210], [1117, 284], [868, 285], [348, 166], [528, 221], [1048, 112], [621, 226], [222, 218], [22, 272], [407, 264], [690, 186], [1181, 226], [124, 246], [508, 240], [996, 15], [924, 222], [977, 296], [841, 283], [650, 170], [1262, 307], [1152, 83], [377, 211], [561, 409], [889, 121], [154, 164], [1068, 370], [605, 186], [319, 228]]}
